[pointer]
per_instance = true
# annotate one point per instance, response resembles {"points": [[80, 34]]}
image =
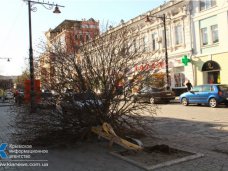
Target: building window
{"points": [[87, 37], [135, 44], [154, 42], [81, 37], [143, 44], [204, 36], [179, 79], [132, 46], [77, 37], [214, 33], [209, 31], [62, 39], [85, 26], [146, 42], [205, 4], [178, 35]]}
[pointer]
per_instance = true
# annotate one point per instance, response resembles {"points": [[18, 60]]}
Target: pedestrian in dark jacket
{"points": [[189, 85]]}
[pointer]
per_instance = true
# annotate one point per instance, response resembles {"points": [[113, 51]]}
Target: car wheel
{"points": [[152, 100], [213, 102], [184, 101]]}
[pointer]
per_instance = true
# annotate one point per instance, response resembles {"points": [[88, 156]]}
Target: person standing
{"points": [[4, 96], [189, 85], [16, 94]]}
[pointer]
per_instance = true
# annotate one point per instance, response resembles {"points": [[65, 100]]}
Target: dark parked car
{"points": [[211, 94], [19, 97], [47, 96], [48, 100], [86, 101], [154, 95]]}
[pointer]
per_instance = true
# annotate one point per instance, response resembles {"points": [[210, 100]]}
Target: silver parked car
{"points": [[8, 95]]}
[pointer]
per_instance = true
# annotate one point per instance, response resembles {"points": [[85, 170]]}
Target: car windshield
{"points": [[223, 87]]}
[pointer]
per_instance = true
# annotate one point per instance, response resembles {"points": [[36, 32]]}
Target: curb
{"points": [[6, 105], [163, 164]]}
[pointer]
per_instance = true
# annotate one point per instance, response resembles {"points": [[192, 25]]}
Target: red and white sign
{"points": [[152, 66]]}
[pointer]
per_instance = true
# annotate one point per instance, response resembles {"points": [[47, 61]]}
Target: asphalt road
{"points": [[201, 113]]}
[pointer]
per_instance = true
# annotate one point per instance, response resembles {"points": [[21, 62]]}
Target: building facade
{"points": [[178, 40], [196, 33], [69, 34], [73, 33], [210, 31], [196, 42]]}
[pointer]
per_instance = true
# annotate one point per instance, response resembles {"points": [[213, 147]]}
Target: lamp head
{"points": [[56, 11]]}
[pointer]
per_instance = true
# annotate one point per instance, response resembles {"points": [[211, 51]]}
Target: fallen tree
{"points": [[105, 67]]}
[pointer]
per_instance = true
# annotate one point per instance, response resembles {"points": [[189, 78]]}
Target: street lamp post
{"points": [[30, 8], [163, 18]]}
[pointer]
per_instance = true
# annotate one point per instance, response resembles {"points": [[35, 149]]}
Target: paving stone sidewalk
{"points": [[80, 157], [194, 136], [191, 136]]}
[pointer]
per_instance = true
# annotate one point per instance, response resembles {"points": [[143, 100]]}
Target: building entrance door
{"points": [[211, 70], [213, 77]]}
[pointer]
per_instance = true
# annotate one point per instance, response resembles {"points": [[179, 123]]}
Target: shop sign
{"points": [[146, 67], [210, 65], [185, 60]]}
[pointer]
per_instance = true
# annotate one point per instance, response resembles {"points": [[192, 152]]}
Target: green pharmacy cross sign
{"points": [[185, 60]]}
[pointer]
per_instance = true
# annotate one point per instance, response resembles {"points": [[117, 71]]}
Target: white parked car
{"points": [[9, 95]]}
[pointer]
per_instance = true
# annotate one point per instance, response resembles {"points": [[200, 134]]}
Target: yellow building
{"points": [[209, 36], [211, 69]]}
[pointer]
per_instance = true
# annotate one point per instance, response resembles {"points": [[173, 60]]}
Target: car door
{"points": [[143, 94], [205, 93], [194, 94]]}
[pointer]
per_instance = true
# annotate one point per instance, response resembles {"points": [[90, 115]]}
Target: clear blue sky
{"points": [[14, 35]]}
